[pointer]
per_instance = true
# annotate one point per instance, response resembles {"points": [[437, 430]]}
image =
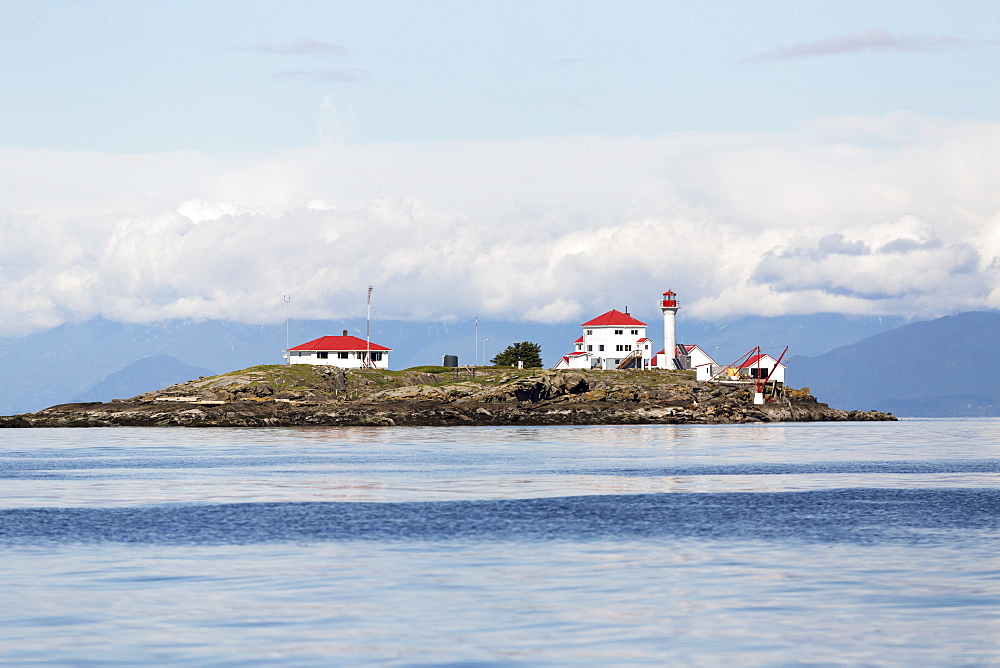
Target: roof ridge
{"points": [[612, 318], [341, 343]]}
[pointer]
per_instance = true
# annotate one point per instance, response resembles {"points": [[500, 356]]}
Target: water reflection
{"points": [[889, 438], [170, 488], [50, 467]]}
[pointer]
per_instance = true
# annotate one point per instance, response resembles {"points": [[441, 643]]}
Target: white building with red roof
{"points": [[763, 366], [610, 341], [345, 351]]}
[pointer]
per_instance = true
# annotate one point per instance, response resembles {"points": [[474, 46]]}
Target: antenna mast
{"points": [[368, 331], [288, 357]]}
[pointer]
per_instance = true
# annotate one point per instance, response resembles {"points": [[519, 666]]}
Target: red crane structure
{"points": [[730, 374]]}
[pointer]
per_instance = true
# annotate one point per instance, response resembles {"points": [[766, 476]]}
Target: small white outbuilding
{"points": [[763, 366]]}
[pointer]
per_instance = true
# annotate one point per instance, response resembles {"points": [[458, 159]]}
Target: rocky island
{"points": [[306, 395]]}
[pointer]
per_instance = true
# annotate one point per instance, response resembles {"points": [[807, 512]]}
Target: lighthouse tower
{"points": [[669, 307]]}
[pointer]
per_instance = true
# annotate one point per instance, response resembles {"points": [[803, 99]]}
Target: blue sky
{"points": [[257, 76], [524, 160]]}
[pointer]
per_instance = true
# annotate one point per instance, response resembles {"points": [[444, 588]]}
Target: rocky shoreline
{"points": [[302, 395]]}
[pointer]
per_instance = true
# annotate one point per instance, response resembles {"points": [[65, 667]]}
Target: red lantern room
{"points": [[669, 300]]}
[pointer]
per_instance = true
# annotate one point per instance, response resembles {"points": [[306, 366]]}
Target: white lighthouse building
{"points": [[613, 340], [669, 307]]}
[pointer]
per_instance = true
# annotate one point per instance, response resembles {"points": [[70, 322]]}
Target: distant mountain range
{"points": [[938, 367], [949, 367], [144, 375]]}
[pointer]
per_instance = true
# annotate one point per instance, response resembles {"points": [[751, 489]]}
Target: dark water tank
{"points": [[451, 360]]}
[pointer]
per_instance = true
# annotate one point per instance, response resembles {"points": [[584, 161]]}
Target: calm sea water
{"points": [[867, 543]]}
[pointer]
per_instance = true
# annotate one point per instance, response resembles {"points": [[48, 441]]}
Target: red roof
{"points": [[614, 318], [753, 360], [340, 343], [579, 340]]}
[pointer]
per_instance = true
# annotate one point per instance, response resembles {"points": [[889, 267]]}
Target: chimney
{"points": [[345, 332]]}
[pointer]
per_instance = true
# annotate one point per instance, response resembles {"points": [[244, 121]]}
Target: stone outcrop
{"points": [[303, 395]]}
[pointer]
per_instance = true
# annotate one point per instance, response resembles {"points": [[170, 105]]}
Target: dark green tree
{"points": [[525, 351]]}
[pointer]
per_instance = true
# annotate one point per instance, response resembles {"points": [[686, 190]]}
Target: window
{"points": [[758, 373], [634, 332], [601, 348], [619, 348], [590, 332], [322, 356], [590, 349], [342, 356], [619, 331], [376, 357]]}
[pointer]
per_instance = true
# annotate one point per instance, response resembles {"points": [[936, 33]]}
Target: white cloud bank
{"points": [[892, 215]]}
